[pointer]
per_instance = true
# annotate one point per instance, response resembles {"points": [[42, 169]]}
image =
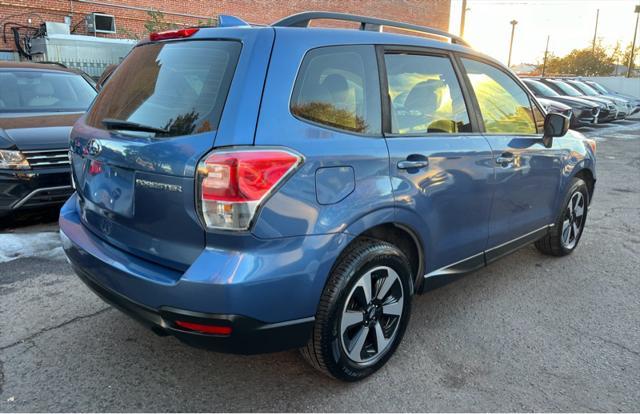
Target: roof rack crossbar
{"points": [[366, 23]]}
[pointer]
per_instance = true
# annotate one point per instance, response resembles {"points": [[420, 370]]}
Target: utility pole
{"points": [[633, 44], [546, 51], [462, 17], [513, 30], [595, 32]]}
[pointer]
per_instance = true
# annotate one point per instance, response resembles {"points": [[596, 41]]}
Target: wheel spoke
{"points": [[571, 205], [381, 341], [579, 210], [387, 284], [575, 230], [349, 319], [566, 228], [355, 353], [365, 284], [394, 308]]}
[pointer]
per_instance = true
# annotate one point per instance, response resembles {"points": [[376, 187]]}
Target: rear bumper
{"points": [[248, 336], [34, 188], [268, 296]]}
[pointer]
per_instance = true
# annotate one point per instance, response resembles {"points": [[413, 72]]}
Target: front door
{"points": [[528, 174], [441, 171]]}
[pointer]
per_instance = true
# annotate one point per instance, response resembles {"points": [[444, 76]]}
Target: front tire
{"points": [[363, 311], [563, 238]]}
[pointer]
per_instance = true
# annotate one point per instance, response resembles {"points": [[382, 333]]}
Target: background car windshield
{"points": [[584, 88], [567, 89], [180, 86], [41, 91], [599, 88], [540, 88]]}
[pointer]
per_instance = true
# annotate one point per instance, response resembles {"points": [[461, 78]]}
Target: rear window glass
{"points": [[425, 95], [338, 86], [179, 87], [40, 91]]}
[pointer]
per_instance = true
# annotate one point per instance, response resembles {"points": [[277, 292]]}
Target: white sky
{"points": [[570, 23]]}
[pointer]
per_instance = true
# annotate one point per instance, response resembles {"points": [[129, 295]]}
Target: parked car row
{"points": [[585, 102]]}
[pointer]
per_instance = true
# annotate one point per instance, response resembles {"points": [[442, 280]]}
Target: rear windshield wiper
{"points": [[111, 123]]}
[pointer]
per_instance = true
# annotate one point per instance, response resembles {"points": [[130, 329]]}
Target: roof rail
{"points": [[366, 23]]}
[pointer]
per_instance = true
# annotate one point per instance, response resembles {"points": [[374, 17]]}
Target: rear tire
{"points": [[363, 311], [564, 236]]}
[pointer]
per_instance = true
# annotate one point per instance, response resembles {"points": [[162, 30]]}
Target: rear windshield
{"points": [[179, 86], [41, 91]]}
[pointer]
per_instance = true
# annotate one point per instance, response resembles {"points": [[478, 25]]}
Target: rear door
{"points": [[528, 175], [441, 170], [136, 151]]}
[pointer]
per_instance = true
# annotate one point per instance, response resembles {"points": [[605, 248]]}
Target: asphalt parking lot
{"points": [[527, 333]]}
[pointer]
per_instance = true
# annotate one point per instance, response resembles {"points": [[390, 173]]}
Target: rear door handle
{"points": [[409, 164]]}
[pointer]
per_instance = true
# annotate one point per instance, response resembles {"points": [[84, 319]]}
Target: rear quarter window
{"points": [[338, 87], [178, 86]]}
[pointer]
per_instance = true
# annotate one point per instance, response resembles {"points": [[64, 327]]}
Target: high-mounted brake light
{"points": [[232, 184], [173, 34]]}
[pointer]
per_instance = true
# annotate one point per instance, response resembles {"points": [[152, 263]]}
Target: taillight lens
{"points": [[207, 329], [173, 34], [232, 184]]}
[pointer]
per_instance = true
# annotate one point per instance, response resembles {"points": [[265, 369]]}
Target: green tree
{"points": [[582, 62], [156, 22], [627, 54]]}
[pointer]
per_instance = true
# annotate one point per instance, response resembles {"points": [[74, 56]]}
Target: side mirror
{"points": [[555, 125]]}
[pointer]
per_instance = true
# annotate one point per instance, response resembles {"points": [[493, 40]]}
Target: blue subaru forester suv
{"points": [[254, 189]]}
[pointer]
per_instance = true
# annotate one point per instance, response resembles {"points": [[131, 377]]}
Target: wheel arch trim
{"points": [[401, 219]]}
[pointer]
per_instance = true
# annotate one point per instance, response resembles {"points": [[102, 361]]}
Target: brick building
{"points": [[70, 40], [131, 15]]}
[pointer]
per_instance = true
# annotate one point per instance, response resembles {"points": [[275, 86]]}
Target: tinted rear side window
{"points": [[425, 95], [177, 86], [41, 91], [338, 86]]}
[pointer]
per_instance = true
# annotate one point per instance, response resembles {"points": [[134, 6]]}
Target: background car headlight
{"points": [[13, 160]]}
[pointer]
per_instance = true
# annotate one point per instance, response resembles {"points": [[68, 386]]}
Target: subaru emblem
{"points": [[94, 147]]}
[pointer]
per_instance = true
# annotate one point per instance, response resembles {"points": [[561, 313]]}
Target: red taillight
{"points": [[208, 329], [173, 34], [232, 184]]}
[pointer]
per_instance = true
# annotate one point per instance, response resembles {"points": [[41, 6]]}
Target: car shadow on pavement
{"points": [[109, 356]]}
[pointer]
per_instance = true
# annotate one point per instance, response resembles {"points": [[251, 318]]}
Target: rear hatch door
{"points": [[135, 154]]}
